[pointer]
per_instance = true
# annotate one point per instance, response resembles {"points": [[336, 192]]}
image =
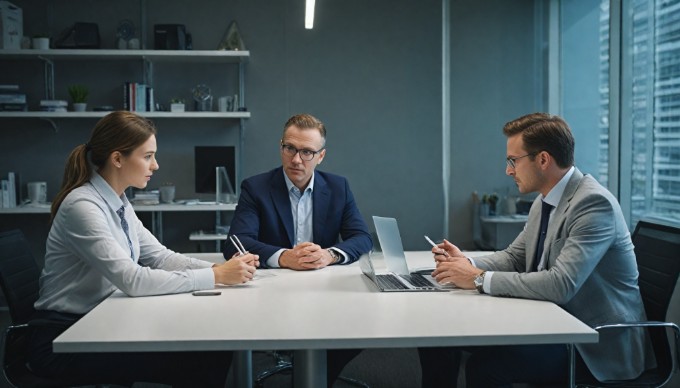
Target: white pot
{"points": [[41, 43], [79, 106], [176, 107]]}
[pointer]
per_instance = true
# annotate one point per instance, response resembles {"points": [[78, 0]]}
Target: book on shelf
{"points": [[4, 88], [11, 189], [4, 193], [11, 107], [138, 97], [53, 105]]}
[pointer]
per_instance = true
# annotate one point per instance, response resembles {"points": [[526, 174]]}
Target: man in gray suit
{"points": [[575, 251]]}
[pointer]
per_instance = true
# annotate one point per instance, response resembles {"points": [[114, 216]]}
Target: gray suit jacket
{"points": [[590, 271]]}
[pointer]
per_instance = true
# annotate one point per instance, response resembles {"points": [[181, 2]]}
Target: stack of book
{"points": [[8, 191], [150, 197], [53, 105], [11, 100], [138, 97]]}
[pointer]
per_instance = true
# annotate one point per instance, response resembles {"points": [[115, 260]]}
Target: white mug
{"points": [[37, 192]]}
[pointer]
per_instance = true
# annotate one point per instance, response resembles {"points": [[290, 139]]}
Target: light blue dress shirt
{"points": [[301, 204], [88, 255]]}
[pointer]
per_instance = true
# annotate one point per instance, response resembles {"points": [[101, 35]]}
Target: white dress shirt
{"points": [[88, 256]]}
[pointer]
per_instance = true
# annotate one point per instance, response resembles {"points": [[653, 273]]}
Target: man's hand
{"points": [[457, 270], [305, 256], [445, 252], [237, 270]]}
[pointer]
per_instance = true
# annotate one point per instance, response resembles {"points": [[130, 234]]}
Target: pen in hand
{"points": [[435, 246], [237, 244]]}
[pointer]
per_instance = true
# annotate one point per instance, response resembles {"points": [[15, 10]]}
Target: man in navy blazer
{"points": [[296, 217]]}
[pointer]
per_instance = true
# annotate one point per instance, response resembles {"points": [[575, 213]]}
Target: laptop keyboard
{"points": [[417, 280], [388, 281]]}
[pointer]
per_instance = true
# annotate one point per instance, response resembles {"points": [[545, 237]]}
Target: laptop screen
{"points": [[390, 242]]}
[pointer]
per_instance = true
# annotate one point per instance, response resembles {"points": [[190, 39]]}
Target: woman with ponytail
{"points": [[97, 245]]}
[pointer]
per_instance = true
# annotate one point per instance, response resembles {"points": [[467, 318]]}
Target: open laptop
{"points": [[399, 278]]}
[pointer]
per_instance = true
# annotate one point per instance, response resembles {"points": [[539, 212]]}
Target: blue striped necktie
{"points": [[126, 228]]}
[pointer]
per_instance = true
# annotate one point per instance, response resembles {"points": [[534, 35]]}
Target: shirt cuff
{"points": [[204, 279], [273, 260], [487, 282], [345, 257]]}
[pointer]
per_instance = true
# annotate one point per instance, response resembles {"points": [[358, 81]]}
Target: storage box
{"points": [[11, 26]]}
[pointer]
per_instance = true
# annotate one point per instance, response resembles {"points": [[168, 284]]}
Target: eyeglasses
{"points": [[511, 161], [305, 155]]}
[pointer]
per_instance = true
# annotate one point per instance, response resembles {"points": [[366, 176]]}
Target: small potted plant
{"points": [[41, 42], [78, 94], [177, 105]]}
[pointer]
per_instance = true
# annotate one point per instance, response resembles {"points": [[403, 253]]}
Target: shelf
{"points": [[203, 56], [138, 208], [78, 115], [206, 236]]}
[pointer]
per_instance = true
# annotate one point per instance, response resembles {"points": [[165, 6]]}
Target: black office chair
{"points": [[19, 275], [657, 251]]}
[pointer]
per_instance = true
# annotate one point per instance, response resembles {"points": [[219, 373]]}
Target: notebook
{"points": [[399, 277]]}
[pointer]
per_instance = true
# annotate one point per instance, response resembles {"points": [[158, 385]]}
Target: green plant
{"points": [[78, 93], [177, 101]]}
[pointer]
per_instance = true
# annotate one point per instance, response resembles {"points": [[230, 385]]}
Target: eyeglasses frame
{"points": [[510, 161], [298, 151]]}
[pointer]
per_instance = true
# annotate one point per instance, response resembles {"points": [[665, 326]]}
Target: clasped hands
{"points": [[237, 270], [453, 267], [305, 256]]}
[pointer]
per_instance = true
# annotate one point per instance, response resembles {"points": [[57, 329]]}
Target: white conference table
{"points": [[311, 311]]}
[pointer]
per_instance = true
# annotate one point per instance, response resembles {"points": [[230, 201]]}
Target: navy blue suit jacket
{"points": [[263, 220]]}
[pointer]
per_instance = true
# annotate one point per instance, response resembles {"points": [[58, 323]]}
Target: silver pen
{"points": [[435, 246]]}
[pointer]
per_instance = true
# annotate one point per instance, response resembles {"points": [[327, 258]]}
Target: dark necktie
{"points": [[126, 228], [545, 217]]}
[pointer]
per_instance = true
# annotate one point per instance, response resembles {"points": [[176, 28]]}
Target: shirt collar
{"points": [[555, 194], [290, 185], [107, 193]]}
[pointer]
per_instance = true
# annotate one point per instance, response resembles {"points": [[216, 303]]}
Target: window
{"points": [[651, 40], [645, 139]]}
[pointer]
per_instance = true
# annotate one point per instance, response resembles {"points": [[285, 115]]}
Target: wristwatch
{"points": [[334, 255], [479, 282]]}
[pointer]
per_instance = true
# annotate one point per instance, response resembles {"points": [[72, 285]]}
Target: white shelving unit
{"points": [[148, 57]]}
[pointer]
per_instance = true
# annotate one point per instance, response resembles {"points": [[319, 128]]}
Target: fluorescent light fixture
{"points": [[309, 14]]}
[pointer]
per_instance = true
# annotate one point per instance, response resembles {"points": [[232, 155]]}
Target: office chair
{"points": [[657, 251], [19, 275], [284, 364]]}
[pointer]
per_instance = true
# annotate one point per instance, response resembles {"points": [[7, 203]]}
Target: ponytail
{"points": [[76, 172]]}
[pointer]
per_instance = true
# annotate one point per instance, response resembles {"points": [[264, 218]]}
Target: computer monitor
{"points": [[207, 159]]}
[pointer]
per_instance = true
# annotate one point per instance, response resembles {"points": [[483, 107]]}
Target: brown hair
{"points": [[305, 121], [544, 132], [120, 131]]}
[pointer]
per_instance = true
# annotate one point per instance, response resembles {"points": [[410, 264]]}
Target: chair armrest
{"points": [[651, 324], [639, 324]]}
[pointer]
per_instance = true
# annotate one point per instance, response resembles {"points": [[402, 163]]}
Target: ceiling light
{"points": [[309, 14]]}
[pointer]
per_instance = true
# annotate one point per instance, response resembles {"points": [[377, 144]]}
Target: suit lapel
{"points": [[560, 212], [320, 203], [281, 200]]}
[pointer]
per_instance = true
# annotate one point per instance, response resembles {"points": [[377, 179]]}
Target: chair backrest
{"points": [[19, 275], [657, 250]]}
